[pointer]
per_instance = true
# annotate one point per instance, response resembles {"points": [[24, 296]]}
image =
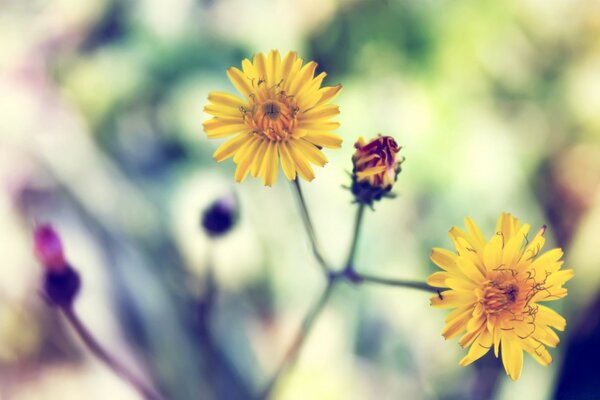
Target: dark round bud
{"points": [[220, 217], [61, 287]]}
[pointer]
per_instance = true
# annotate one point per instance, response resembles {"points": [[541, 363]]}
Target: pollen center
{"points": [[272, 114], [499, 296], [271, 110]]}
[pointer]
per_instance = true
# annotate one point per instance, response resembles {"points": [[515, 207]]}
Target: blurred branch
{"points": [[309, 227], [293, 350], [183, 352], [97, 350], [360, 278]]}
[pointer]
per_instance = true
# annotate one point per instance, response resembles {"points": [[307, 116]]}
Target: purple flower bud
{"points": [[61, 287], [220, 216], [48, 248]]}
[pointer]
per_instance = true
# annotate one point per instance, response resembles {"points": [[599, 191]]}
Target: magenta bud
{"points": [[48, 248]]}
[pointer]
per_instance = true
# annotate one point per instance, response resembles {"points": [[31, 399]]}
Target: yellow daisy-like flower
{"points": [[284, 114], [496, 287]]}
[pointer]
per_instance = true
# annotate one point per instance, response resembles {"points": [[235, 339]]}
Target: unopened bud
{"points": [[61, 288], [48, 248], [220, 216], [376, 167]]}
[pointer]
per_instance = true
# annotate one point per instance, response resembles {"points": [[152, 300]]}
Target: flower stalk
{"points": [[355, 235], [310, 231], [61, 286], [103, 355], [301, 335]]}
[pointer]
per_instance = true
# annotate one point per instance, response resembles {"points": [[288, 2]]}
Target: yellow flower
{"points": [[496, 288], [284, 115], [376, 166]]}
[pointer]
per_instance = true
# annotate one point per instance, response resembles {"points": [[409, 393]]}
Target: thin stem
{"points": [[309, 227], [97, 350], [305, 329], [355, 235], [360, 278]]}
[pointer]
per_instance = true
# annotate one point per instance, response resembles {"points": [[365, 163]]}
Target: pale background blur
{"points": [[497, 105]]}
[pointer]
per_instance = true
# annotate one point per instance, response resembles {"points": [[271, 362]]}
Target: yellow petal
{"points": [[507, 226], [287, 63], [320, 126], [325, 111], [478, 349], [453, 298], [250, 72], [539, 353], [240, 81], [309, 95], [246, 157], [559, 278], [287, 163], [469, 269], [492, 254], [548, 316], [476, 323], [512, 357], [258, 159], [222, 127], [457, 325], [274, 66], [226, 100], [302, 78], [512, 248], [478, 239], [260, 63], [328, 93], [438, 279], [496, 340], [549, 258], [444, 259], [228, 148], [270, 165], [461, 284], [533, 249], [458, 311], [324, 139], [310, 151], [302, 166]]}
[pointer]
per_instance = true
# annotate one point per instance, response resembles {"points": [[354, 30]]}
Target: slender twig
{"points": [[305, 328], [97, 350], [360, 278], [347, 273], [355, 235], [309, 227]]}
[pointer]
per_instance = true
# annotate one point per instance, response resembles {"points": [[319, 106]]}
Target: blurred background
{"points": [[497, 105]]}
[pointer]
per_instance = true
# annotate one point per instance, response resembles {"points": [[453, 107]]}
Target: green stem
{"points": [[305, 329], [97, 350], [355, 235], [362, 278], [309, 227]]}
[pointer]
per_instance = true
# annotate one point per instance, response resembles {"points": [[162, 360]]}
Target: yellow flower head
{"points": [[496, 287], [283, 114], [376, 166]]}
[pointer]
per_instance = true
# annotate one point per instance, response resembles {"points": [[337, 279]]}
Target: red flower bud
{"points": [[48, 248], [376, 167]]}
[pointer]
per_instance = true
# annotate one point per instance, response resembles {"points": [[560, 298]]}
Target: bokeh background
{"points": [[497, 105]]}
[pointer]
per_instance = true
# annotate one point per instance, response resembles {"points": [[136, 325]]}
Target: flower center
{"points": [[271, 110], [272, 113], [499, 296]]}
